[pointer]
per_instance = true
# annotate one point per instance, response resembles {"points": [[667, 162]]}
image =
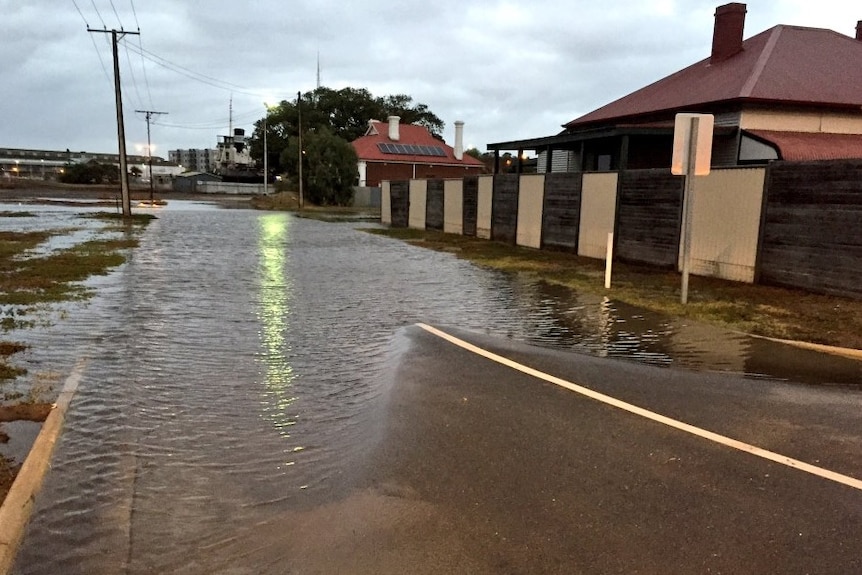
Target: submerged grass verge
{"points": [[760, 310], [30, 281]]}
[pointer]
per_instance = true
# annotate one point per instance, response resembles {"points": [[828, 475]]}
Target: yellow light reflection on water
{"points": [[274, 315]]}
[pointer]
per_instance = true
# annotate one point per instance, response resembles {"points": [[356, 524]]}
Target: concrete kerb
{"points": [[832, 350], [16, 508]]}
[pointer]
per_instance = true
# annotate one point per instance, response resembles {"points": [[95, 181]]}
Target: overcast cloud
{"points": [[509, 70]]}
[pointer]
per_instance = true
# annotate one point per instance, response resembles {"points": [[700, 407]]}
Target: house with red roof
{"points": [[787, 93], [394, 151]]}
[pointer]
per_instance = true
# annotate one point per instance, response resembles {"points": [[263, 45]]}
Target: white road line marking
{"points": [[676, 424]]}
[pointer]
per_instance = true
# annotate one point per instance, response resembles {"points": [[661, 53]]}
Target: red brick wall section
{"points": [[375, 173]]}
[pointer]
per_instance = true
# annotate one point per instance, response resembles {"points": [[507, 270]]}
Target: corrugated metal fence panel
{"points": [[726, 223], [812, 230], [385, 203], [484, 207], [418, 203], [471, 205], [399, 193], [648, 224], [598, 213], [561, 210], [434, 205], [453, 206], [531, 193], [504, 210]]}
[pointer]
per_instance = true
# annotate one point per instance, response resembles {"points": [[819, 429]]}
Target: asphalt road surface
{"points": [[484, 469], [476, 467]]}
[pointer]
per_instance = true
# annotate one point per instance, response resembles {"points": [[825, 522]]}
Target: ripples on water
{"points": [[235, 367]]}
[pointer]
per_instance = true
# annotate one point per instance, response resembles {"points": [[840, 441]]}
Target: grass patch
{"points": [[289, 202], [141, 219], [54, 277], [761, 310], [8, 371]]}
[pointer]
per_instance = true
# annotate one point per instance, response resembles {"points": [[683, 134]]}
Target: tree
{"points": [[401, 105], [91, 172], [329, 169], [343, 113]]}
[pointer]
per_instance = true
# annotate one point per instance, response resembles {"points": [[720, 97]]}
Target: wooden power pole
{"points": [[121, 129]]}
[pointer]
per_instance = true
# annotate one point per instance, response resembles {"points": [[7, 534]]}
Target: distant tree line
{"points": [[91, 172], [331, 119]]}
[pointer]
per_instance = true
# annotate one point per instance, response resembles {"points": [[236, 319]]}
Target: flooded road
{"points": [[238, 365]]}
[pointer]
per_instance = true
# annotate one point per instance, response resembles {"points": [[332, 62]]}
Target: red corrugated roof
{"points": [[803, 146], [785, 64], [367, 149]]}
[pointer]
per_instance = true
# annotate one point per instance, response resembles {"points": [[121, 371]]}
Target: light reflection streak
{"points": [[273, 314]]}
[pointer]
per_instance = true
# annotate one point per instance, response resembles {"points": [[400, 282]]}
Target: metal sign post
{"points": [[692, 154]]}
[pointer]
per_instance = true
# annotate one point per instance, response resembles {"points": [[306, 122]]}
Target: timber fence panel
{"points": [[434, 206], [504, 210], [561, 210], [471, 205], [812, 227], [650, 211], [399, 192]]}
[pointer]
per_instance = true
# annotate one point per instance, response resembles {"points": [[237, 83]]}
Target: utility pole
{"points": [[121, 130], [150, 114], [299, 125]]}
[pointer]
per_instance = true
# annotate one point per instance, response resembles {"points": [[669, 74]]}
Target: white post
{"points": [[609, 260]]}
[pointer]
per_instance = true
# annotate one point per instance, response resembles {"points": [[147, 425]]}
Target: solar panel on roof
{"points": [[411, 149]]}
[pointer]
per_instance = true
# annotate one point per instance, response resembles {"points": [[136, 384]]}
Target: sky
{"points": [[509, 70]]}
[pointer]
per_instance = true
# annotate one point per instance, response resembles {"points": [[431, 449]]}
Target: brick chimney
{"points": [[727, 34], [859, 30]]}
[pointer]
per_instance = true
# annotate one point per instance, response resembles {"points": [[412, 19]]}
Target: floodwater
{"points": [[235, 367]]}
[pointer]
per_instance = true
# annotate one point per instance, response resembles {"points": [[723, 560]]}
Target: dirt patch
{"points": [[25, 412], [8, 472]]}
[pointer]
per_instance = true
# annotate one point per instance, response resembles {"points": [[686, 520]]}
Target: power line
{"points": [[135, 14], [93, 40], [141, 47], [105, 26], [197, 76], [80, 13], [212, 124], [114, 8], [134, 80]]}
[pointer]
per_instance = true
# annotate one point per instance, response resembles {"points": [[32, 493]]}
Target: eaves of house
{"points": [[797, 71]]}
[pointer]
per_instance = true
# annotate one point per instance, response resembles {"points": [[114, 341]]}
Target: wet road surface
{"points": [[255, 401]]}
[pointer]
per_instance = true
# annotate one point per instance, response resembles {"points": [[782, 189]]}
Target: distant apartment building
{"points": [[50, 164], [195, 160]]}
